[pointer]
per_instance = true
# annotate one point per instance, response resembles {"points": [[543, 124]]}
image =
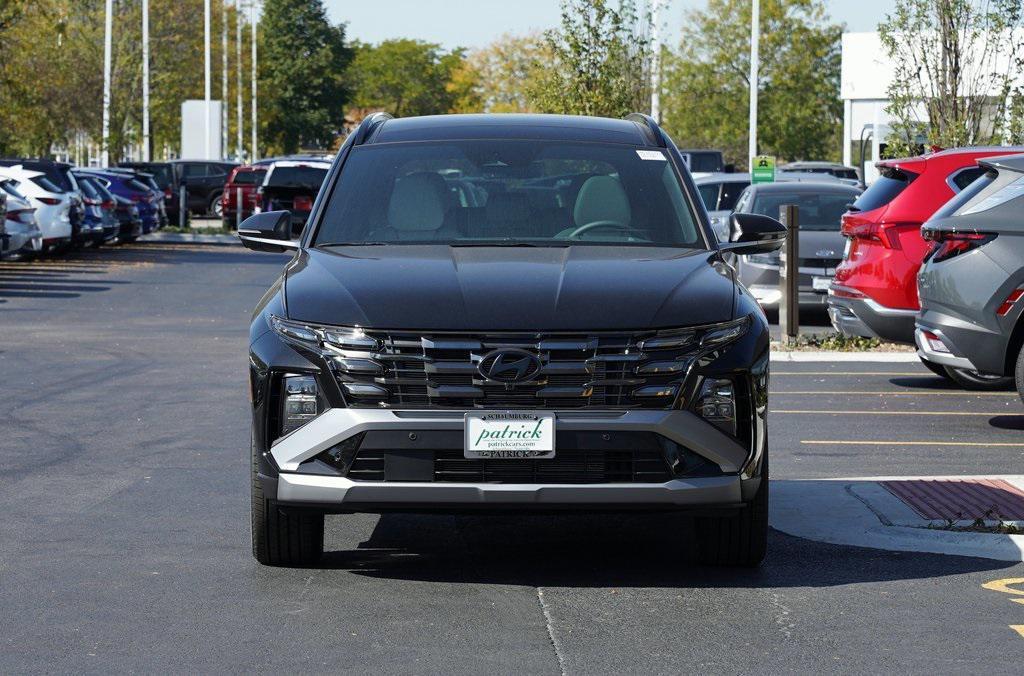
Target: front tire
{"points": [[1019, 374], [282, 537], [216, 207], [972, 380], [737, 540]]}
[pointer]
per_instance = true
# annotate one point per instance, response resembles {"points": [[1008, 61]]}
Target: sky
{"points": [[474, 23]]}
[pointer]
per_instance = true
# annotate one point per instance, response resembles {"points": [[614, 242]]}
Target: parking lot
{"points": [[125, 541]]}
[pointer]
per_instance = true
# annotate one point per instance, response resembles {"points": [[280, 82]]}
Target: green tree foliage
{"points": [[406, 77], [302, 75], [598, 61], [494, 77], [706, 82], [955, 67]]}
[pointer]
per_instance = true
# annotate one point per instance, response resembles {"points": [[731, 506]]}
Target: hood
{"points": [[442, 288]]}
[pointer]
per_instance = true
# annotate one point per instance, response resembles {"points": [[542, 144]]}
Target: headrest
{"points": [[418, 202], [602, 198]]}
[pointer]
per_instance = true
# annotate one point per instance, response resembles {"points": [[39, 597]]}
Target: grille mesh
{"points": [[404, 370]]}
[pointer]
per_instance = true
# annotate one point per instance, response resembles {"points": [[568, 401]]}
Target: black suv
{"points": [[204, 180], [513, 312]]}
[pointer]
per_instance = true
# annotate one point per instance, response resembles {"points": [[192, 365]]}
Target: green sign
{"points": [[762, 169]]}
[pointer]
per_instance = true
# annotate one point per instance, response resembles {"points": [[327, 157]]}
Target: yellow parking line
{"points": [[810, 412], [955, 393], [849, 442]]}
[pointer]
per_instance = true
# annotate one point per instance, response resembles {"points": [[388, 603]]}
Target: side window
{"points": [[965, 177], [741, 202], [216, 170], [709, 195], [730, 194], [195, 170]]}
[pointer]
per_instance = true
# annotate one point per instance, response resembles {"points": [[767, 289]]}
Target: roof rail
{"points": [[657, 135], [369, 123]]}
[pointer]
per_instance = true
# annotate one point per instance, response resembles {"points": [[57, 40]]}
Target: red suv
{"points": [[874, 292], [248, 179]]}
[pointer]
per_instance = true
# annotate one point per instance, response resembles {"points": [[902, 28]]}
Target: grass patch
{"points": [[990, 523], [836, 342]]}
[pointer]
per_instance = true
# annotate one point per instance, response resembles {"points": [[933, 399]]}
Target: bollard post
{"points": [[789, 275], [238, 208], [182, 206], [3, 221]]}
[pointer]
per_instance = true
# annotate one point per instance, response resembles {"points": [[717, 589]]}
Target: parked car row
{"points": [[875, 292], [53, 206]]}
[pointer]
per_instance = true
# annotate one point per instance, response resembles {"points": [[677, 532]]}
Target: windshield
{"points": [[817, 211], [890, 183], [490, 192], [296, 177]]}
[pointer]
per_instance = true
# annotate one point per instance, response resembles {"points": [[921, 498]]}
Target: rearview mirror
{"points": [[754, 234], [269, 231]]}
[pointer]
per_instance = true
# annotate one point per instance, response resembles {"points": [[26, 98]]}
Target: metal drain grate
{"points": [[960, 499]]}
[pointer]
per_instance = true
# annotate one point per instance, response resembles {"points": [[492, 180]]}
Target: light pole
{"points": [[108, 27], [145, 82], [238, 80], [224, 79], [206, 82], [252, 27], [755, 38], [656, 61]]}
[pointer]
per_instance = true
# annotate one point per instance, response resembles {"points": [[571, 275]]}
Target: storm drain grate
{"points": [[960, 499]]}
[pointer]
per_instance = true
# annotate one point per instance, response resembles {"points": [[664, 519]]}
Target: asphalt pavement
{"points": [[124, 544]]}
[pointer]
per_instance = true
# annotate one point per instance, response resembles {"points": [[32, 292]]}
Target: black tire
{"points": [[937, 369], [972, 380], [280, 537], [737, 540], [215, 208]]}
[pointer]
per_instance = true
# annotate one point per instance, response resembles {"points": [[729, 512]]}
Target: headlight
{"points": [[300, 401], [716, 403]]}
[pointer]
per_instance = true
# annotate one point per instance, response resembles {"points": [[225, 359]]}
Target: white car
{"points": [[20, 222], [52, 205]]}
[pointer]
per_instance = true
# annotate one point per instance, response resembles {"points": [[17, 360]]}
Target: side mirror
{"points": [[754, 234], [269, 231]]}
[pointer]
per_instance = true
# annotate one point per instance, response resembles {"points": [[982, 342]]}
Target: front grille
{"points": [[575, 466], [618, 371]]}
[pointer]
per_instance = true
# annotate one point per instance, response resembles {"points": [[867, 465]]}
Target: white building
{"points": [[866, 73]]}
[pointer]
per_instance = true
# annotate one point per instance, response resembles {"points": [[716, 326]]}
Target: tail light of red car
{"points": [[948, 244]]}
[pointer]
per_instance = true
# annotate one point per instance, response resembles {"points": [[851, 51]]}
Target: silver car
{"points": [[23, 234], [821, 206]]}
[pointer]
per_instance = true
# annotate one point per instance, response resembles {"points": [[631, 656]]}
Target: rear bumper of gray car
{"points": [[762, 280], [968, 345], [870, 319], [295, 486]]}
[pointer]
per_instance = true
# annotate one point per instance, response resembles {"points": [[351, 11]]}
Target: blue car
{"points": [[124, 183]]}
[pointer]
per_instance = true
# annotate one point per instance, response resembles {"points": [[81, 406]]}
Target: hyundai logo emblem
{"points": [[509, 366]]}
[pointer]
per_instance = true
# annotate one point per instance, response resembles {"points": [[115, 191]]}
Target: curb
{"points": [[179, 238], [826, 356], [860, 513]]}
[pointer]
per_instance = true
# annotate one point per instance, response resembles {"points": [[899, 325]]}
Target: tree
{"points": [[496, 76], [598, 61], [303, 91], [955, 66], [405, 77], [707, 88]]}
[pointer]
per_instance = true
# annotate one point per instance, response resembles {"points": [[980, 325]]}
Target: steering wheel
{"points": [[606, 225]]}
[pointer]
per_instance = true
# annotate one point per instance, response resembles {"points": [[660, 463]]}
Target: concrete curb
{"points": [[179, 238], [860, 513], [826, 356]]}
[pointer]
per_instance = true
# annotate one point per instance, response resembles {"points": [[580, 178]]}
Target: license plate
{"points": [[510, 435], [821, 283]]}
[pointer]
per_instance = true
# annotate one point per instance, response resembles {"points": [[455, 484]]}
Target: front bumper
{"points": [[336, 425], [870, 319]]}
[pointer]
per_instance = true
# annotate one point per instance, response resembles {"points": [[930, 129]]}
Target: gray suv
{"points": [[972, 280]]}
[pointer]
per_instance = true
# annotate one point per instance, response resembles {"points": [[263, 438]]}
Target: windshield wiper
{"points": [[326, 244], [503, 243]]}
